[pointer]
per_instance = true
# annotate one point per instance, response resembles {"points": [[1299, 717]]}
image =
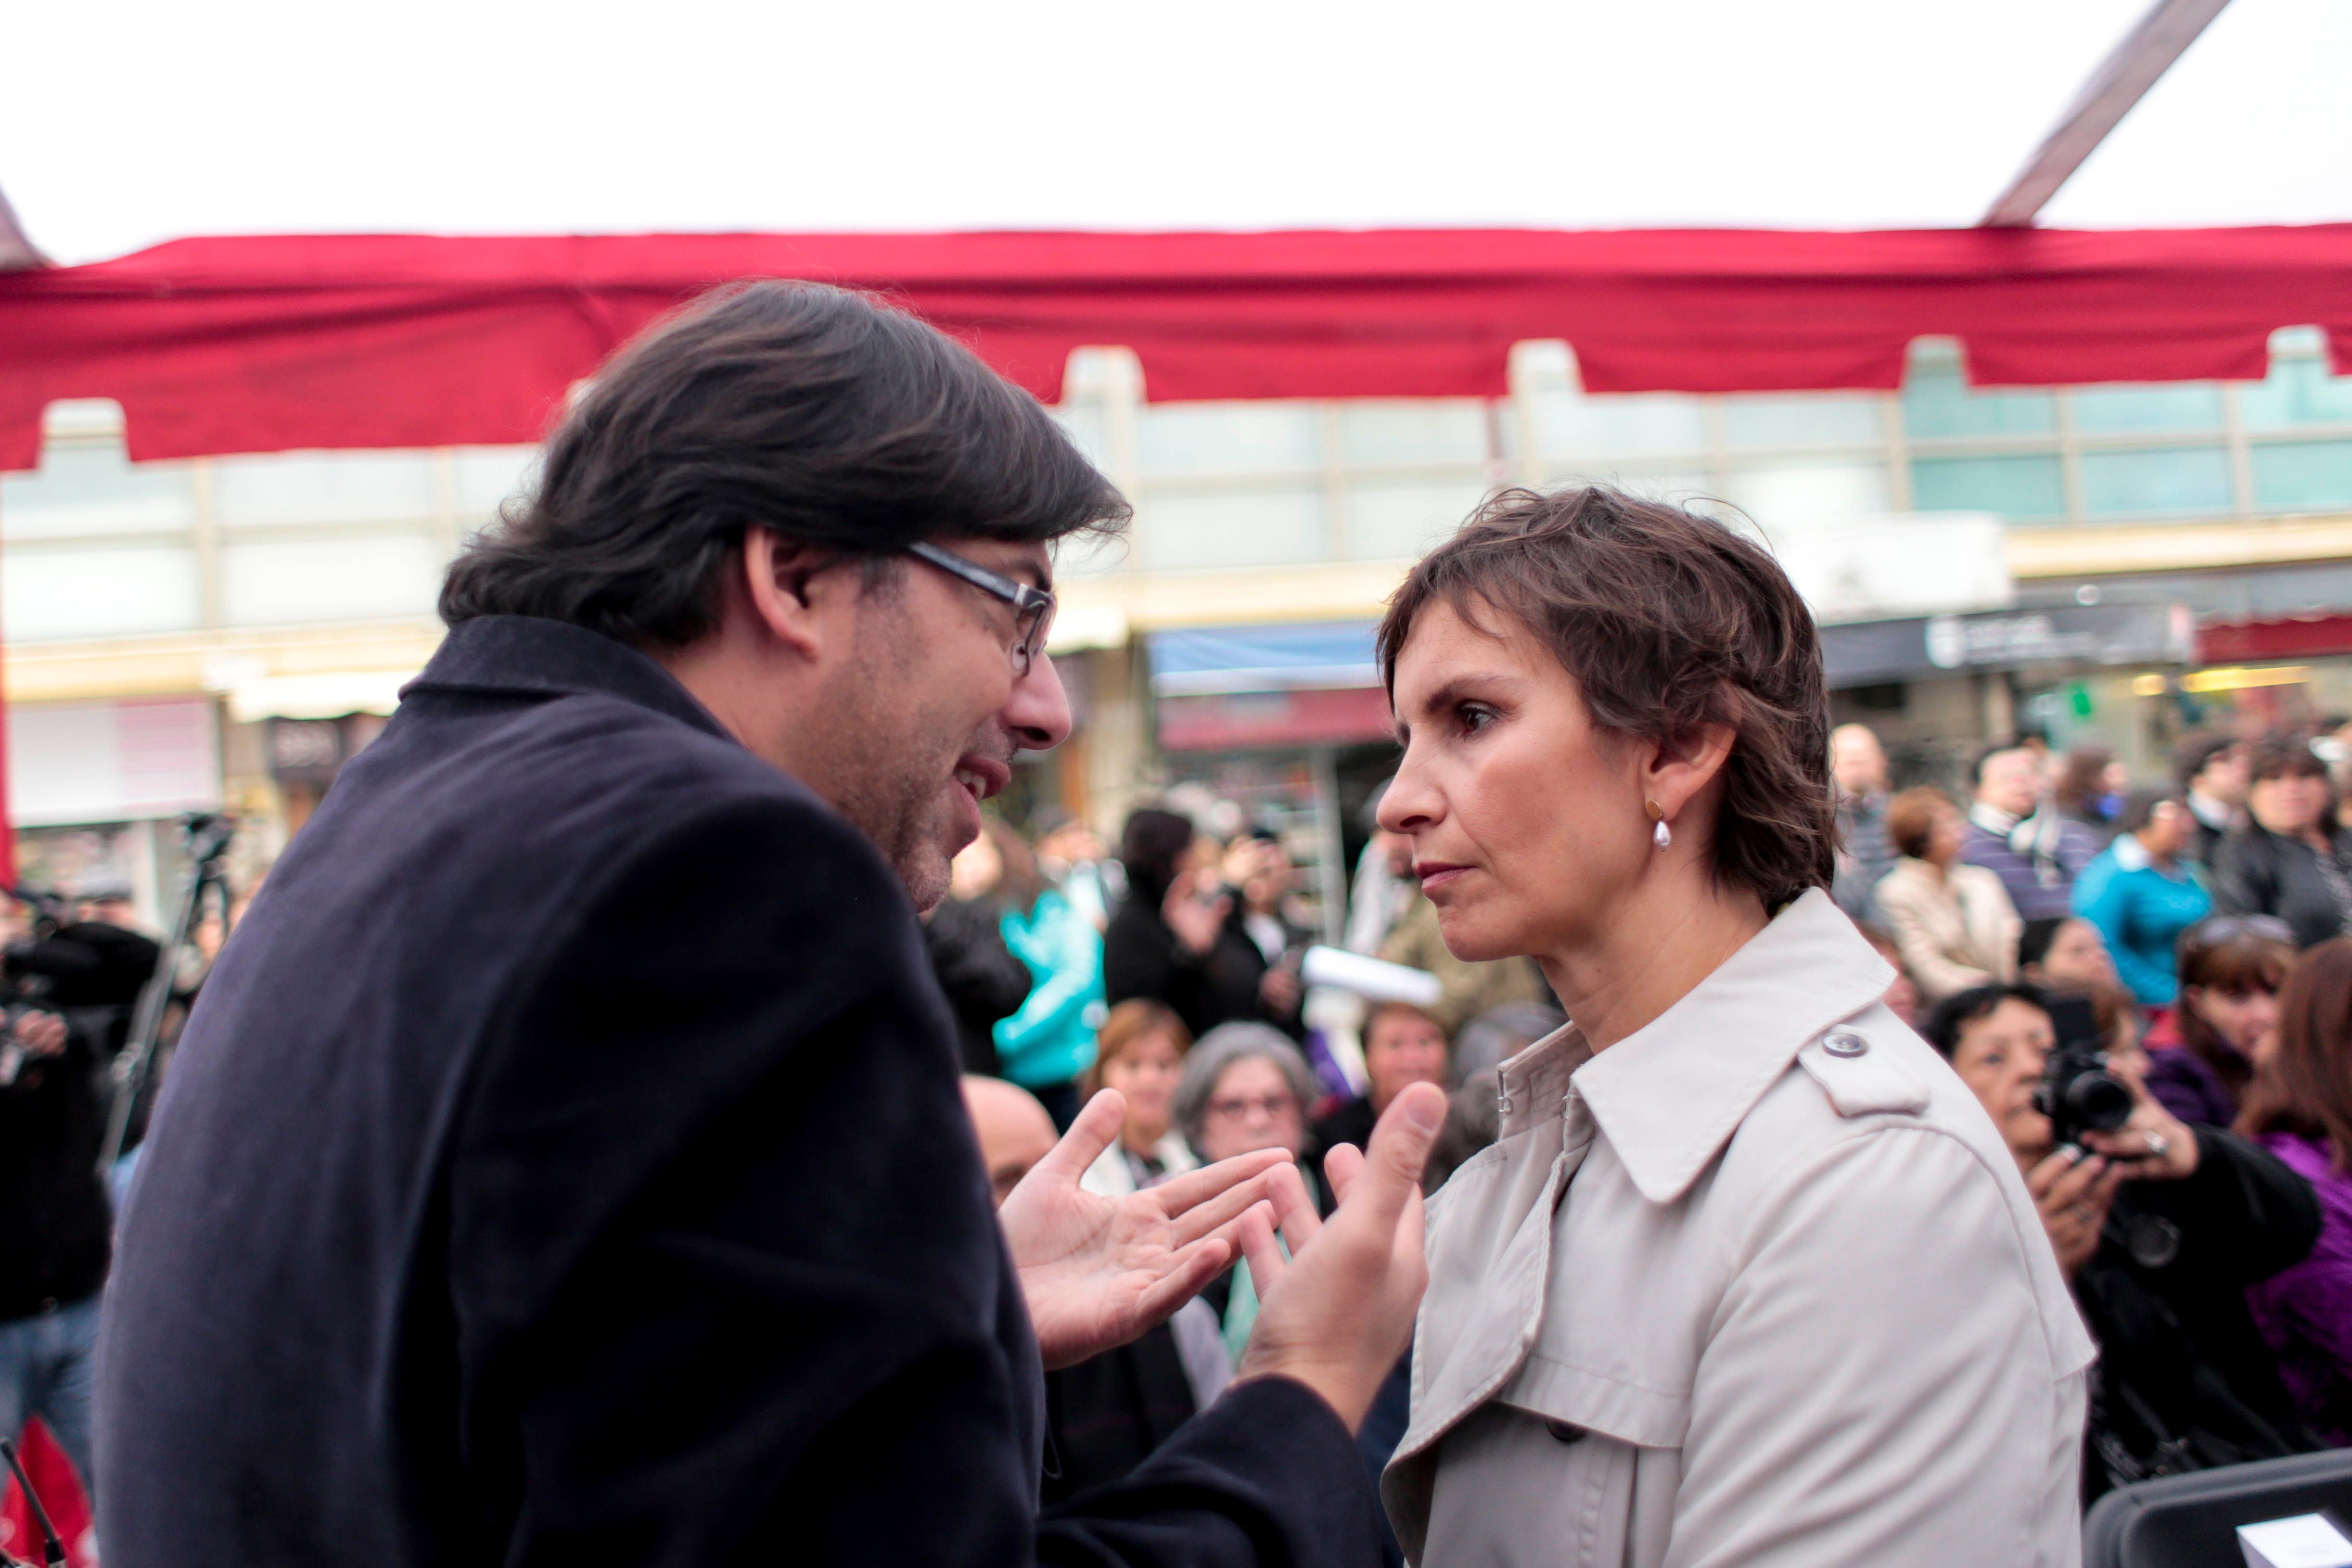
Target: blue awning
{"points": [[1318, 655]]}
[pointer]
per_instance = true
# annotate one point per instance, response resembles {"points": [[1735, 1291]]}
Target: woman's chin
{"points": [[1475, 939]]}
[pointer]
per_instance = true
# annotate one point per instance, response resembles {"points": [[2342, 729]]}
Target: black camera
{"points": [[2078, 1093]]}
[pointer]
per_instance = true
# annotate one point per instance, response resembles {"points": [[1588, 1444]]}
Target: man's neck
{"points": [[1993, 818]]}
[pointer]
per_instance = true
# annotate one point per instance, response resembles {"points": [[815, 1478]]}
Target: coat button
{"points": [[1845, 1042], [1567, 1432]]}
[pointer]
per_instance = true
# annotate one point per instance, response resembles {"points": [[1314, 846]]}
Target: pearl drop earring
{"points": [[1662, 835]]}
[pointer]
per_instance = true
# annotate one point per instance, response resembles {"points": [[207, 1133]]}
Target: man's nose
{"points": [[1037, 713]]}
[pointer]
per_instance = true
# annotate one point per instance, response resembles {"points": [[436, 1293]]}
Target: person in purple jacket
{"points": [[2202, 1057], [2300, 1108]]}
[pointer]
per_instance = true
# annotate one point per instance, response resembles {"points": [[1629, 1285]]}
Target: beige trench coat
{"points": [[1758, 1285]]}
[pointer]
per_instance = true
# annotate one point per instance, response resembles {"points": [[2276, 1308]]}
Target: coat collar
{"points": [[529, 654], [1670, 1096]]}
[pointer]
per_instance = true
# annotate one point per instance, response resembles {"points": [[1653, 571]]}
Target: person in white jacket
{"points": [[1748, 1277]]}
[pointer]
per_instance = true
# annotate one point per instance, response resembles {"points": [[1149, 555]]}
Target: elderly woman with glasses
{"points": [[1245, 1087]]}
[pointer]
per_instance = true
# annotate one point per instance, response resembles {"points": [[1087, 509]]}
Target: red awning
{"points": [[270, 343]]}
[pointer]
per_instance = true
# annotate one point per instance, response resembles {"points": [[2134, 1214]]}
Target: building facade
{"points": [[225, 631]]}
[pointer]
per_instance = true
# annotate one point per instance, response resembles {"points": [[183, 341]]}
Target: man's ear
{"points": [[792, 585]]}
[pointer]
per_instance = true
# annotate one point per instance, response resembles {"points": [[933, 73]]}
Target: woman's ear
{"points": [[1680, 767]]}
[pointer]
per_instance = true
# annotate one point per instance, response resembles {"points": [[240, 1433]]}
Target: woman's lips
{"points": [[1435, 874]]}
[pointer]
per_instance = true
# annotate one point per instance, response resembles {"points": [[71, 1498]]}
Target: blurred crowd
{"points": [[1173, 971], [2181, 947], [2090, 952]]}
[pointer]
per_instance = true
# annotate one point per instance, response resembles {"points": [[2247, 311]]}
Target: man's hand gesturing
{"points": [[1098, 1271], [1338, 1313]]}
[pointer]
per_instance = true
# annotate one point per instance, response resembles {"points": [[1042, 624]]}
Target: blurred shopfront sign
{"points": [[1912, 564], [113, 761], [1229, 689], [1869, 652]]}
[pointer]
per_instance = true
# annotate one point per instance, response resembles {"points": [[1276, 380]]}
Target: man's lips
{"points": [[983, 776]]}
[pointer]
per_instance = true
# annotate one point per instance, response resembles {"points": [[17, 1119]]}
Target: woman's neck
{"points": [[1653, 952], [1139, 1142]]}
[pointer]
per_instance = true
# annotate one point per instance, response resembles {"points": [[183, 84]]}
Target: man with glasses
{"points": [[566, 1158]]}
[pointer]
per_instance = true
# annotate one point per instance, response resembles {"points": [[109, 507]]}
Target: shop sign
{"points": [[1865, 652]]}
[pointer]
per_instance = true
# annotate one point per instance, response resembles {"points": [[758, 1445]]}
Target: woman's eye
{"points": [[1475, 716]]}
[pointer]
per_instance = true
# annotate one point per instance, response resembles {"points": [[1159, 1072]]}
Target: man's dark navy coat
{"points": [[565, 1163]]}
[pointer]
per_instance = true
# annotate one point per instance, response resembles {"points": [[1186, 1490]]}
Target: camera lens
{"points": [[2099, 1102]]}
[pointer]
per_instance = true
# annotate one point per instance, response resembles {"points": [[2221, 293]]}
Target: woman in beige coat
{"points": [[1748, 1277], [1953, 923]]}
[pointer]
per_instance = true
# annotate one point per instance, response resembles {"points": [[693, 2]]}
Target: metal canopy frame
{"points": [[2122, 79]]}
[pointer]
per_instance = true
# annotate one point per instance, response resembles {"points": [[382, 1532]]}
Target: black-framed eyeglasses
{"points": [[1033, 608]]}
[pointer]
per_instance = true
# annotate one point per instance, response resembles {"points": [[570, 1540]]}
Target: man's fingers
{"points": [[1207, 1219], [1194, 1267], [1181, 1193], [1294, 1211], [1340, 1168], [1265, 1259], [1400, 1144], [1088, 1136]]}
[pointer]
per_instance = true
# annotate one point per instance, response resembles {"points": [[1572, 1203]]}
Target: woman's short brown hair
{"points": [[1667, 621], [1135, 1019], [1911, 819]]}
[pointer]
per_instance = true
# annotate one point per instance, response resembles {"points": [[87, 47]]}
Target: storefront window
{"points": [[2023, 487], [2299, 390], [1568, 424], [293, 489], [93, 488], [2176, 480], [1802, 419], [2131, 410], [99, 590], [1385, 432], [1937, 403], [1229, 437], [1392, 519], [1264, 527], [287, 581], [2290, 474]]}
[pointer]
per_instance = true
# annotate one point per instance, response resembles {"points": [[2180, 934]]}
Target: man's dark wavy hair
{"points": [[1668, 621], [821, 413]]}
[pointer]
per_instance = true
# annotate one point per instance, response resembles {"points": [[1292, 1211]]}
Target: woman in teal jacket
{"points": [[2141, 895], [1049, 1039]]}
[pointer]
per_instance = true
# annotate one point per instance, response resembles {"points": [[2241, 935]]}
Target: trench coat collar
{"points": [[1669, 1095], [531, 655]]}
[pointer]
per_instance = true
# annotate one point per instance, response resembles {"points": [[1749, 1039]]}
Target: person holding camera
{"points": [[2159, 1226]]}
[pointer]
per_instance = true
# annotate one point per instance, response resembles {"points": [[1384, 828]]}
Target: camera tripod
{"points": [[206, 836]]}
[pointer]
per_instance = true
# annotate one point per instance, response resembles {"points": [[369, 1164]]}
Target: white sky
{"points": [[130, 122]]}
